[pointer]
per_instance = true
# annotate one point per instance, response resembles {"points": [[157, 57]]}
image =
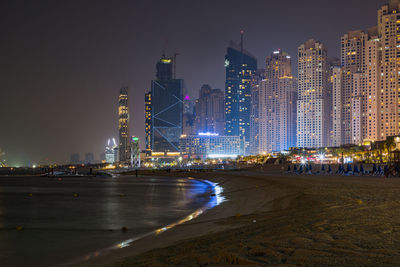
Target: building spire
{"points": [[241, 40]]}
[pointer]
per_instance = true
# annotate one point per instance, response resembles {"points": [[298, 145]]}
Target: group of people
{"points": [[348, 170]]}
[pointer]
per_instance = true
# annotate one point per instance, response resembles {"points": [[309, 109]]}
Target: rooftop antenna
{"points": [[241, 40], [165, 47], [175, 55]]}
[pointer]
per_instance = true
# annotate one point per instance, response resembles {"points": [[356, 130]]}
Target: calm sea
{"points": [[63, 219]]}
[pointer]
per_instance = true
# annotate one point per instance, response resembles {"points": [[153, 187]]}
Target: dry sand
{"points": [[275, 219]]}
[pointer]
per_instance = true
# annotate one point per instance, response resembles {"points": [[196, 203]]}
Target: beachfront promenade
{"points": [[274, 217]]}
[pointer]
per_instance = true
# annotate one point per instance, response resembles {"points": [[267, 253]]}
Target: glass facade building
{"points": [[209, 145], [164, 110], [240, 68]]}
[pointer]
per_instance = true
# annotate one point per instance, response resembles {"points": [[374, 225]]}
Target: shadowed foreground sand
{"points": [[275, 219]]}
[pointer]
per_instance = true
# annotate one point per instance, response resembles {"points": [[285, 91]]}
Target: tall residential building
{"points": [[210, 111], [313, 115], [148, 122], [254, 113], [336, 81], [240, 66], [123, 125], [352, 62], [164, 110], [389, 98], [371, 97], [277, 105]]}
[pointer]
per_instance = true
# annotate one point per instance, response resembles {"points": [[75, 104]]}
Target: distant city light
{"points": [[219, 156], [208, 134], [187, 98], [276, 52]]}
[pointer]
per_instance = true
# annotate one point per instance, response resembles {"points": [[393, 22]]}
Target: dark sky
{"points": [[63, 62]]}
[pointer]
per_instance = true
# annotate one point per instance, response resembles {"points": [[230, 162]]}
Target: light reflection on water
{"points": [[215, 199], [58, 227]]}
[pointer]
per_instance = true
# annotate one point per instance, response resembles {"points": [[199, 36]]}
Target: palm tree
{"points": [[389, 145]]}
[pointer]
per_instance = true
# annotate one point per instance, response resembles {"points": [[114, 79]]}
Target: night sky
{"points": [[63, 62]]}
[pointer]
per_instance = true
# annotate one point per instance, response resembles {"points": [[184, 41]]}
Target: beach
{"points": [[273, 218]]}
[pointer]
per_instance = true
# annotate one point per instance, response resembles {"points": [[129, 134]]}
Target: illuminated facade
{"points": [[313, 113], [389, 98], [336, 81], [123, 125], [135, 152], [371, 102], [148, 122], [111, 154], [240, 67], [277, 105], [254, 114], [210, 145], [352, 62], [164, 110], [210, 111]]}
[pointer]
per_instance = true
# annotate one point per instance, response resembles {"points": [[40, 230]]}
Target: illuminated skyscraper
{"points": [[352, 62], [389, 98], [210, 111], [371, 103], [148, 122], [313, 113], [254, 112], [164, 110], [123, 125], [240, 67], [277, 105], [336, 83]]}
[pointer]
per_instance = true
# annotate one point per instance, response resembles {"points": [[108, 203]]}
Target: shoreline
{"points": [[237, 204], [215, 199], [275, 218]]}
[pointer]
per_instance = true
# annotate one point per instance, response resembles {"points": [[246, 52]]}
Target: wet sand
{"points": [[273, 218]]}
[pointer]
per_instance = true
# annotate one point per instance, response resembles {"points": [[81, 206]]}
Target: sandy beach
{"points": [[272, 218]]}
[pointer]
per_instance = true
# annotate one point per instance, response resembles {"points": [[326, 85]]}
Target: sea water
{"points": [[47, 221]]}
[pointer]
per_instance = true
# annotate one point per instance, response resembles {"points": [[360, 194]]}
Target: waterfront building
{"points": [[313, 114], [111, 152], [164, 110], [210, 113], [254, 113], [210, 145], [135, 152], [148, 122], [240, 66], [89, 158], [371, 118], [75, 159], [389, 98], [277, 105], [123, 125], [336, 83], [352, 62]]}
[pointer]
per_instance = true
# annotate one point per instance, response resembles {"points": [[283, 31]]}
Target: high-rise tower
{"points": [[277, 105], [210, 110], [313, 114], [123, 125], [164, 109], [389, 98], [352, 62], [240, 66]]}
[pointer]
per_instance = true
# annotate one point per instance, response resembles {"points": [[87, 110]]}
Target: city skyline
{"points": [[70, 125]]}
